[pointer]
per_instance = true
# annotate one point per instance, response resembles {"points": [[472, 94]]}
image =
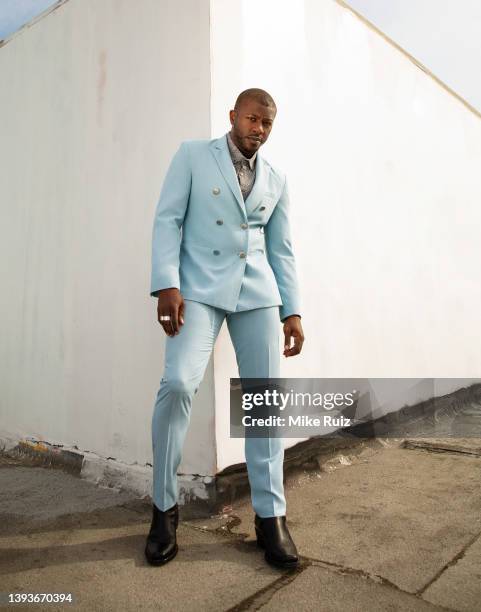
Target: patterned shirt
{"points": [[246, 173], [245, 167]]}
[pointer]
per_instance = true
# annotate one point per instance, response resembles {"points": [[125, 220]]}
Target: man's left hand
{"points": [[293, 329]]}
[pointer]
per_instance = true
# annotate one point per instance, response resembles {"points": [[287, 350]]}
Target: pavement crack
{"points": [[264, 595], [343, 569], [449, 564]]}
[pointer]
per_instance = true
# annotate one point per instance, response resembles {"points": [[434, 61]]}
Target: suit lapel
{"points": [[223, 158]]}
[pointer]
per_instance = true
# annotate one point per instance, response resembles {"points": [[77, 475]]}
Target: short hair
{"points": [[254, 93]]}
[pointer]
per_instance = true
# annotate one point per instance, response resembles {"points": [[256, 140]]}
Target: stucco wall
{"points": [[383, 165], [95, 98]]}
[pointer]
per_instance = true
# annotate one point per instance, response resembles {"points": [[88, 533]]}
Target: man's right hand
{"points": [[171, 303]]}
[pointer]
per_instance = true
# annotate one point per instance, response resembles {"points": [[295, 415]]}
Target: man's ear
{"points": [[232, 115]]}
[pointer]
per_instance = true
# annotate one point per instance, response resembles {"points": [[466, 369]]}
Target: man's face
{"points": [[251, 126]]}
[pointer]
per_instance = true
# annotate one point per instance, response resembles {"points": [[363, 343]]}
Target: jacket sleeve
{"points": [[168, 220], [281, 256]]}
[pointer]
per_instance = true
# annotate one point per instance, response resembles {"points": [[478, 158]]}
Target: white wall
{"points": [[383, 169], [94, 101], [382, 166]]}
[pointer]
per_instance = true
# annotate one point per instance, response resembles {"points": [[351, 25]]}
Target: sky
{"points": [[15, 13], [444, 35]]}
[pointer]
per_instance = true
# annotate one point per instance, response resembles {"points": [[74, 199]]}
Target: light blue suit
{"points": [[231, 260], [232, 254]]}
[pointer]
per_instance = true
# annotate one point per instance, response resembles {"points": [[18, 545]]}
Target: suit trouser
{"points": [[255, 336]]}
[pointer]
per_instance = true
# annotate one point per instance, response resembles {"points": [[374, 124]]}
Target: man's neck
{"points": [[236, 149]]}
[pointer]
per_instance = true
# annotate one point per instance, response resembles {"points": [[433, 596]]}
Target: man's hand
{"points": [[171, 303], [293, 329]]}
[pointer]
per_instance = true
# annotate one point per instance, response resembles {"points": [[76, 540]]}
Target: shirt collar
{"points": [[237, 156]]}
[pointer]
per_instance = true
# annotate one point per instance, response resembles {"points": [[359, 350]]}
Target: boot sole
{"points": [[165, 560]]}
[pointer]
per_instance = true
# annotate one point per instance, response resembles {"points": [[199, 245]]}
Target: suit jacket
{"points": [[214, 247]]}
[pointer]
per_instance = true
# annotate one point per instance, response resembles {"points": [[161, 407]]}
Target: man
{"points": [[221, 249]]}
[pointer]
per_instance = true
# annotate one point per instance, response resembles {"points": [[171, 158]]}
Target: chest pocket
{"points": [[264, 207]]}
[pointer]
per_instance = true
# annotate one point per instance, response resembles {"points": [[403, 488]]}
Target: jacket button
{"points": [[216, 191], [244, 225], [242, 255], [216, 252], [262, 208], [219, 222]]}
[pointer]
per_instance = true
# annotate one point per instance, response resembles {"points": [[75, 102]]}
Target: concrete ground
{"points": [[388, 527]]}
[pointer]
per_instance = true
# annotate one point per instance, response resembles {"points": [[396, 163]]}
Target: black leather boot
{"points": [[161, 544], [273, 535]]}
